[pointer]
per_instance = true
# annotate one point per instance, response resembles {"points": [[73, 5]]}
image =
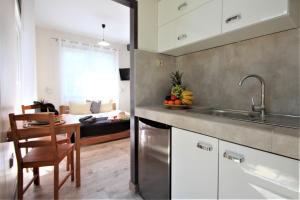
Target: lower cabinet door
{"points": [[194, 166], [246, 173]]}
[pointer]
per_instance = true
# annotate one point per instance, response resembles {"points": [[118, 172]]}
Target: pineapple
{"points": [[177, 87], [176, 78]]}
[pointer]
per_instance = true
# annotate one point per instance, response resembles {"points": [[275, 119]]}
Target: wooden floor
{"points": [[104, 175]]}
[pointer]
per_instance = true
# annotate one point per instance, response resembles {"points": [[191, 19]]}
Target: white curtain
{"points": [[88, 73]]}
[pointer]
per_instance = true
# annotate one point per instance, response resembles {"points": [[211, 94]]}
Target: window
{"points": [[88, 73]]}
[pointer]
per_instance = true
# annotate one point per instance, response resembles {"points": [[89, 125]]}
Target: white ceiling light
{"points": [[103, 42]]}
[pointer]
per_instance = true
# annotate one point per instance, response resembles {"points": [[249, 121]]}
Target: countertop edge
{"points": [[277, 140]]}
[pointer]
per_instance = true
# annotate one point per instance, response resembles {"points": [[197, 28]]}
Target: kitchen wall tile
{"points": [[152, 77], [213, 74]]}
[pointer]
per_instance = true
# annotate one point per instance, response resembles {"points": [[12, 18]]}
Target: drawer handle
{"points": [[238, 158], [181, 6], [204, 146], [182, 37], [233, 18]]}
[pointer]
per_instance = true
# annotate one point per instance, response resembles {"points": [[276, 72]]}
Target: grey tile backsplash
{"points": [[213, 74], [152, 77]]}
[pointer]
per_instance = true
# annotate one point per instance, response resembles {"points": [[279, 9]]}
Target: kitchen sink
{"points": [[288, 121]]}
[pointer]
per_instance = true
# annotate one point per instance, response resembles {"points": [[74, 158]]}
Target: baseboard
{"points": [[133, 187]]}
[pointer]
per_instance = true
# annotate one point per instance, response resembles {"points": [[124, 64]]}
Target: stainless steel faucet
{"points": [[254, 107]]}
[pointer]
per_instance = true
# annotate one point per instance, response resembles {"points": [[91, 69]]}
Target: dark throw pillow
{"points": [[95, 107]]}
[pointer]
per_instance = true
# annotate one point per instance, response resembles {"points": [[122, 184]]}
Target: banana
{"points": [[187, 102], [188, 97], [187, 93]]}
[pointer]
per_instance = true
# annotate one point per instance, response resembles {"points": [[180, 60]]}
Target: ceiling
{"points": [[84, 17]]}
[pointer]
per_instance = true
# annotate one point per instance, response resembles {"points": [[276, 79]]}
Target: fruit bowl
{"points": [[179, 97], [169, 106]]}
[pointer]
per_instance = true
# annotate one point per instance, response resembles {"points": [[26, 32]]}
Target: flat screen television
{"points": [[125, 74]]}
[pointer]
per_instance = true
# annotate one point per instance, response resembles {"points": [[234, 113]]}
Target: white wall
{"points": [[124, 92], [8, 64], [28, 54], [17, 51], [147, 25], [48, 64], [16, 45]]}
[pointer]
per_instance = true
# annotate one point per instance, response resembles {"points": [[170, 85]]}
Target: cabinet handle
{"points": [[181, 6], [182, 37], [204, 146], [233, 18], [238, 158]]}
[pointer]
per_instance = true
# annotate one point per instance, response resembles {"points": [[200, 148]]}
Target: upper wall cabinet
{"points": [[169, 10], [198, 24], [242, 13], [193, 25]]}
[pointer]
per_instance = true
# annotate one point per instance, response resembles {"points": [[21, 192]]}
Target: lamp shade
{"points": [[103, 43]]}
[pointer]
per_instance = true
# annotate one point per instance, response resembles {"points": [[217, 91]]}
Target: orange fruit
{"points": [[171, 102], [177, 102]]}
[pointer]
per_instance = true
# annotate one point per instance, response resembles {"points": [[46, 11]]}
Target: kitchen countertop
{"points": [[278, 140]]}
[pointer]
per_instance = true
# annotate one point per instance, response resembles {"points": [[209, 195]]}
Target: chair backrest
{"points": [[20, 134], [30, 107]]}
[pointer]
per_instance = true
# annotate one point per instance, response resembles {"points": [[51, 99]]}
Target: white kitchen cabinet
{"points": [[200, 24], [169, 10], [246, 173], [194, 165], [167, 37], [186, 26], [241, 13]]}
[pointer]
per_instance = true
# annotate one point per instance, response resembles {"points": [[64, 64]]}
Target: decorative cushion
{"points": [[77, 108], [106, 106], [123, 116], [95, 106]]}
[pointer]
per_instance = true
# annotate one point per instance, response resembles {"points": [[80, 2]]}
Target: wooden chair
{"points": [[60, 138], [43, 153], [30, 107]]}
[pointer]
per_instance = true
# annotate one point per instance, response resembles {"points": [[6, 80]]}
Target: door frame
{"points": [[133, 6]]}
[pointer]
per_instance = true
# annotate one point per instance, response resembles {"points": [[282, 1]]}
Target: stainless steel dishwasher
{"points": [[154, 160]]}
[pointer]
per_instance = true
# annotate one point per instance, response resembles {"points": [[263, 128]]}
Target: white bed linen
{"points": [[110, 114]]}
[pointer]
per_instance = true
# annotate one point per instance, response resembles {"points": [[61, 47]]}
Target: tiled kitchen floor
{"points": [[104, 175]]}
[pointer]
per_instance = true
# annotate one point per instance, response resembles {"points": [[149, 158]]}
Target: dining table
{"points": [[69, 125]]}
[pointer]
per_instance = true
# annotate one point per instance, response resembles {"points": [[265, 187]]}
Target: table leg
{"points": [[77, 148]]}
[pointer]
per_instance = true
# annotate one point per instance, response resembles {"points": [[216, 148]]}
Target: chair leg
{"points": [[20, 184], [72, 165], [68, 163], [56, 181], [26, 151], [36, 172]]}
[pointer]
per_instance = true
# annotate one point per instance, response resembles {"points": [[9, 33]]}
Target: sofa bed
{"points": [[108, 123]]}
